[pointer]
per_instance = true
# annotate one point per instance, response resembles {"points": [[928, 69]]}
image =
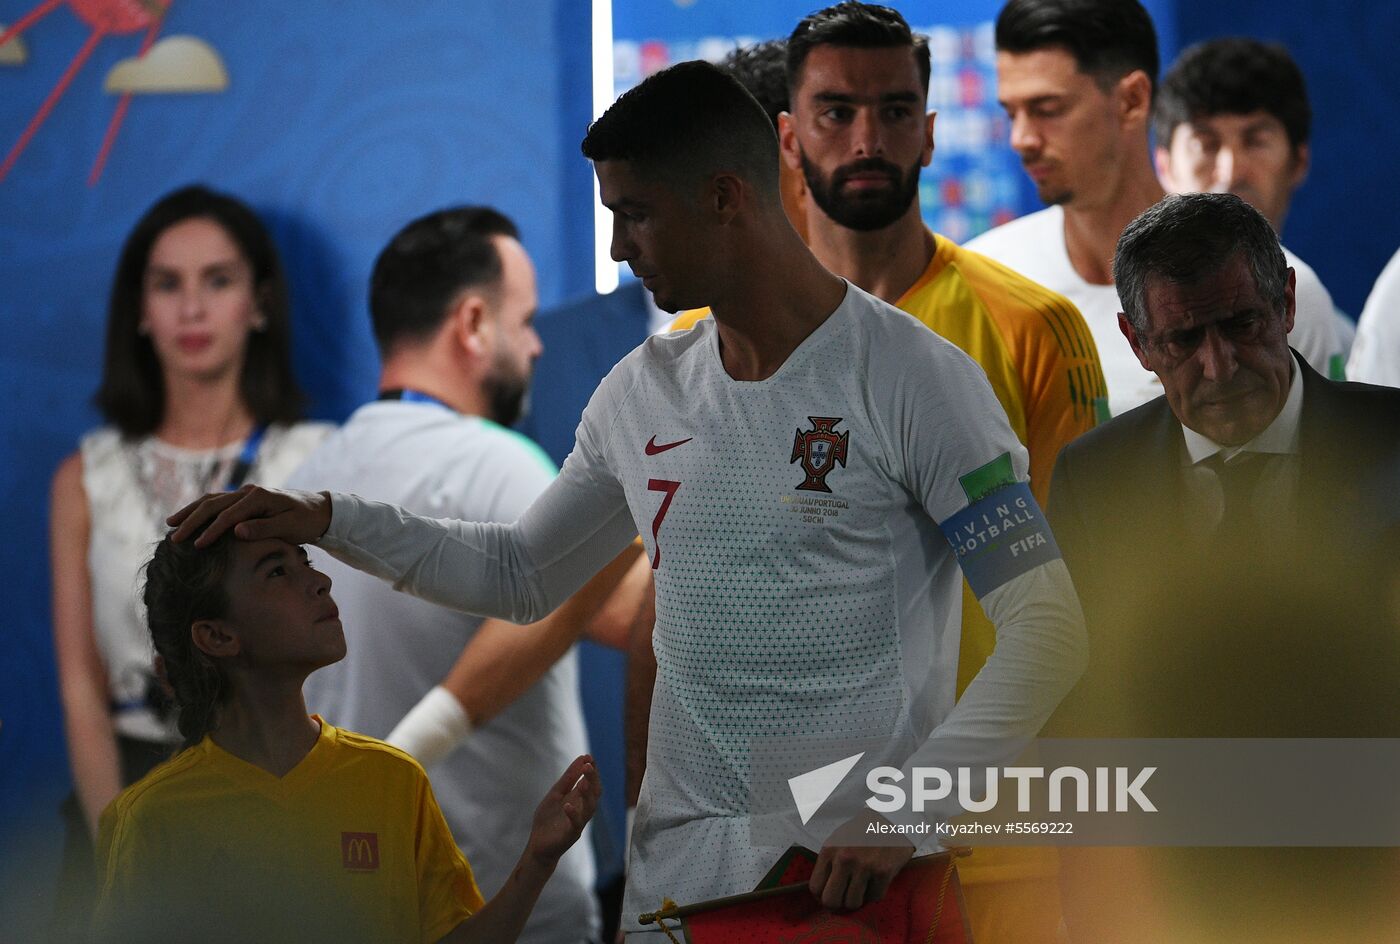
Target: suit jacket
{"points": [[1288, 633], [1292, 633]]}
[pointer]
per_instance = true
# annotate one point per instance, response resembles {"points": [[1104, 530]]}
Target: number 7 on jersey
{"points": [[670, 488]]}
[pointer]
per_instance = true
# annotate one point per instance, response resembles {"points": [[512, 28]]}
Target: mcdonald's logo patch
{"points": [[359, 852]]}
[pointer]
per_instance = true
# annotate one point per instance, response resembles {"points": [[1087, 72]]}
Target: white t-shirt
{"points": [[803, 586], [1315, 333], [433, 461], [1375, 357], [1346, 337], [1034, 245]]}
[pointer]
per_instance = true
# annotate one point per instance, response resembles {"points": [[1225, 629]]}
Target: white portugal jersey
{"points": [[803, 586]]}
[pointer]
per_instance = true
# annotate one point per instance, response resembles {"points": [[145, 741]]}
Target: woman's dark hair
{"points": [[132, 393], [185, 584]]}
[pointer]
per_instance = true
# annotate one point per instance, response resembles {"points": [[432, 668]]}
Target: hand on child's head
{"points": [[254, 513]]}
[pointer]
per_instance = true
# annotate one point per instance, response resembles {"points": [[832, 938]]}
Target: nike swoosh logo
{"points": [[653, 449]]}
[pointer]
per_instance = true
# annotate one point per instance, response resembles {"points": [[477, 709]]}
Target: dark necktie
{"points": [[1239, 477]]}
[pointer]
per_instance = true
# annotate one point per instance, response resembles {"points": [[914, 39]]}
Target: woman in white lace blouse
{"points": [[198, 394]]}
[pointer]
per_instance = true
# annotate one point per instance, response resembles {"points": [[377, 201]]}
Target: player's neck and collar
{"points": [[884, 262], [771, 303], [1093, 223]]}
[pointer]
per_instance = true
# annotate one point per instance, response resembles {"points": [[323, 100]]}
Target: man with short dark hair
{"points": [[452, 302], [1231, 543], [1076, 78], [1232, 116], [798, 467], [855, 129]]}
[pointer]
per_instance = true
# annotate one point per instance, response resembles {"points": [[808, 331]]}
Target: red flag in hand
{"points": [[923, 905]]}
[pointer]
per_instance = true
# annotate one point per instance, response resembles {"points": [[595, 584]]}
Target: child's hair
{"points": [[185, 584]]}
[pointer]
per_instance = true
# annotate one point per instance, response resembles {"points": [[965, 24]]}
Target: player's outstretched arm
{"points": [[558, 823], [518, 572], [501, 662]]}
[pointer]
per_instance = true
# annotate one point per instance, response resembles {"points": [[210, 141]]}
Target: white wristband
{"points": [[433, 727]]}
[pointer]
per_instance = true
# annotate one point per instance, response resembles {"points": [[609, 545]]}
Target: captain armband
{"points": [[1002, 533]]}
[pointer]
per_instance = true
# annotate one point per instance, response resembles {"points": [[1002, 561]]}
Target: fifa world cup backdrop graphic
{"points": [[181, 64]]}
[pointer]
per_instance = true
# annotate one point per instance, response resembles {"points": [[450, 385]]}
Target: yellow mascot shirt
{"points": [[348, 846]]}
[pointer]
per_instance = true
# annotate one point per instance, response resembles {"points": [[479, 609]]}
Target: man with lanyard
{"points": [[452, 301], [780, 611]]}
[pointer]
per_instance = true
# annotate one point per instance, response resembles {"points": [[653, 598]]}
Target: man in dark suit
{"points": [[1231, 545]]}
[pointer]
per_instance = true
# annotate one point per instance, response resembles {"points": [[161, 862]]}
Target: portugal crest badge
{"points": [[820, 448]]}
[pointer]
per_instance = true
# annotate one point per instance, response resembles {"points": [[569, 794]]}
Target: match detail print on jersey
{"points": [[1002, 533]]}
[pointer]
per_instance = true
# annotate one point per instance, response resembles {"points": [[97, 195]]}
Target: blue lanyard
{"points": [[246, 457], [406, 395]]}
